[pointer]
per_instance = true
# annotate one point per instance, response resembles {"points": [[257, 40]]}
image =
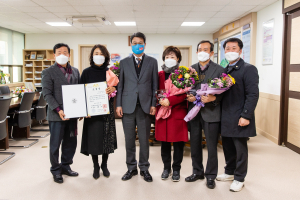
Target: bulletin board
{"points": [[243, 33]]}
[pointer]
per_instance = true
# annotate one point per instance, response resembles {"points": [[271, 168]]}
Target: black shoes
{"points": [[70, 173], [129, 174], [210, 183], [58, 178], [147, 176], [176, 176], [96, 173], [166, 173], [194, 177], [106, 173]]}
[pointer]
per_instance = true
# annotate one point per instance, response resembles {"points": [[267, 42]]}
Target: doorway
{"points": [[186, 54], [290, 89]]}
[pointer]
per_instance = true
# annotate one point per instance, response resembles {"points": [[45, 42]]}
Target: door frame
{"points": [[184, 46], [285, 93], [79, 54]]}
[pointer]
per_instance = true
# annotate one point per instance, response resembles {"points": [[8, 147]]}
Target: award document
{"points": [[74, 101], [85, 100], [97, 99]]}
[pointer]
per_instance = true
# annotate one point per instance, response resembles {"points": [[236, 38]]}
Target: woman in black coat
{"points": [[99, 132]]}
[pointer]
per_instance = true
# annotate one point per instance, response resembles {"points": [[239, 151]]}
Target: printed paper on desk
{"points": [[74, 101]]}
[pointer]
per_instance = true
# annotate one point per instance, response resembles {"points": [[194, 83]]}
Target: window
{"points": [[11, 54]]}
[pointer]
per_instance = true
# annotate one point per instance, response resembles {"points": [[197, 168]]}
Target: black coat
{"points": [[99, 132], [240, 101]]}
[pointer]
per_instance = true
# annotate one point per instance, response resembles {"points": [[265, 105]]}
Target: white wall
{"points": [[116, 43], [270, 75]]}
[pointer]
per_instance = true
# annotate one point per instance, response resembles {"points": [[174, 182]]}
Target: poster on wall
{"points": [[268, 37], [114, 57], [223, 62], [246, 38], [216, 52]]}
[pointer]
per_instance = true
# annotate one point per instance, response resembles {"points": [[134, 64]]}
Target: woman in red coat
{"points": [[173, 129]]}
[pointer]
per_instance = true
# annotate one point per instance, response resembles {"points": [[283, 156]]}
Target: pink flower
{"points": [[220, 84]]}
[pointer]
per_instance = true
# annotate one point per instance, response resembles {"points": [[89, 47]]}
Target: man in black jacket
{"points": [[237, 120], [208, 119]]}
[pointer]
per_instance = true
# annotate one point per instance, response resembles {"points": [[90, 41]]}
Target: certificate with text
{"points": [[97, 99]]}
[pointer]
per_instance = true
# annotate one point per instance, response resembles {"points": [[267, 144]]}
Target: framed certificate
{"points": [[85, 100], [97, 99]]}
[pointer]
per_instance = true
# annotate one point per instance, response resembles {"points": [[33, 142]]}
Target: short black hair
{"points": [[206, 41], [139, 35], [57, 46], [240, 43]]}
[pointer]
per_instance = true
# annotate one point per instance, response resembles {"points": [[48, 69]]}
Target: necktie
{"points": [[138, 62]]}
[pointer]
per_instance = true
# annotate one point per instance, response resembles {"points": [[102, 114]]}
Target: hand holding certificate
{"points": [[85, 100]]}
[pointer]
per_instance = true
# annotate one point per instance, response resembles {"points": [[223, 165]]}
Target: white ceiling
{"points": [[151, 16]]}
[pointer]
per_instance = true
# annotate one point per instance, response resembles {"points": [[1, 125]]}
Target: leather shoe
{"points": [[147, 176], [58, 178], [70, 173], [129, 174], [176, 176], [106, 172], [166, 173], [210, 183], [194, 177]]}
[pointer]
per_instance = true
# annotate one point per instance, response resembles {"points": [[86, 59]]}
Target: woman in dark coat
{"points": [[173, 129], [99, 132]]}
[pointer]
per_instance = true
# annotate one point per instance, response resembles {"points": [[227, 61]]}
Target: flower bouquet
{"points": [[20, 91], [180, 81], [115, 68], [184, 77], [2, 77], [112, 78], [214, 86]]}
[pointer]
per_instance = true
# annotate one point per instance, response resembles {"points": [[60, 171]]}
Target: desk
{"points": [[18, 132]]}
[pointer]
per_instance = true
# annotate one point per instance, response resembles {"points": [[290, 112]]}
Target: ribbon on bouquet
{"points": [[205, 90]]}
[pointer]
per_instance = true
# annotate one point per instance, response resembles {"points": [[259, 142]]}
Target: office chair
{"points": [[4, 107]]}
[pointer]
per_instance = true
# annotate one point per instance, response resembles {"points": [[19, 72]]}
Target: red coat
{"points": [[174, 128]]}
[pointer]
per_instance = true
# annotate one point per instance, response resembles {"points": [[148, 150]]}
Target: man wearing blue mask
{"points": [[136, 101]]}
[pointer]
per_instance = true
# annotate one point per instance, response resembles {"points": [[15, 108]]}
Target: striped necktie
{"points": [[138, 62]]}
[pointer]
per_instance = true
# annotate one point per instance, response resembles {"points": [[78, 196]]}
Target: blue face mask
{"points": [[138, 49]]}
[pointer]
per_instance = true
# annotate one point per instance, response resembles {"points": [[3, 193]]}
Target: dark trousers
{"points": [[211, 131], [177, 155], [236, 157], [143, 122], [60, 134]]}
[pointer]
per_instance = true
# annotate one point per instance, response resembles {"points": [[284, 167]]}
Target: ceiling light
{"points": [[58, 23], [125, 23], [192, 23]]}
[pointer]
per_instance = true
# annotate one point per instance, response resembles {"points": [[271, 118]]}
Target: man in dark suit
{"points": [[237, 121], [136, 103], [63, 131], [208, 119]]}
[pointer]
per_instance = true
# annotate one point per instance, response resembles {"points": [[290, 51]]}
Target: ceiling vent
{"points": [[88, 21]]}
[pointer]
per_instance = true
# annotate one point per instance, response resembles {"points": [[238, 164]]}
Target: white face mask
{"points": [[98, 59], [62, 59], [232, 56], [170, 63], [203, 56]]}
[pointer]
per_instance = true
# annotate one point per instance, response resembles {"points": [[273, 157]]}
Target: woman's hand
{"points": [[110, 90], [164, 102]]}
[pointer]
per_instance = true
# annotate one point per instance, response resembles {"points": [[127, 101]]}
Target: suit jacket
{"points": [[240, 101], [52, 80], [212, 111], [132, 87]]}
